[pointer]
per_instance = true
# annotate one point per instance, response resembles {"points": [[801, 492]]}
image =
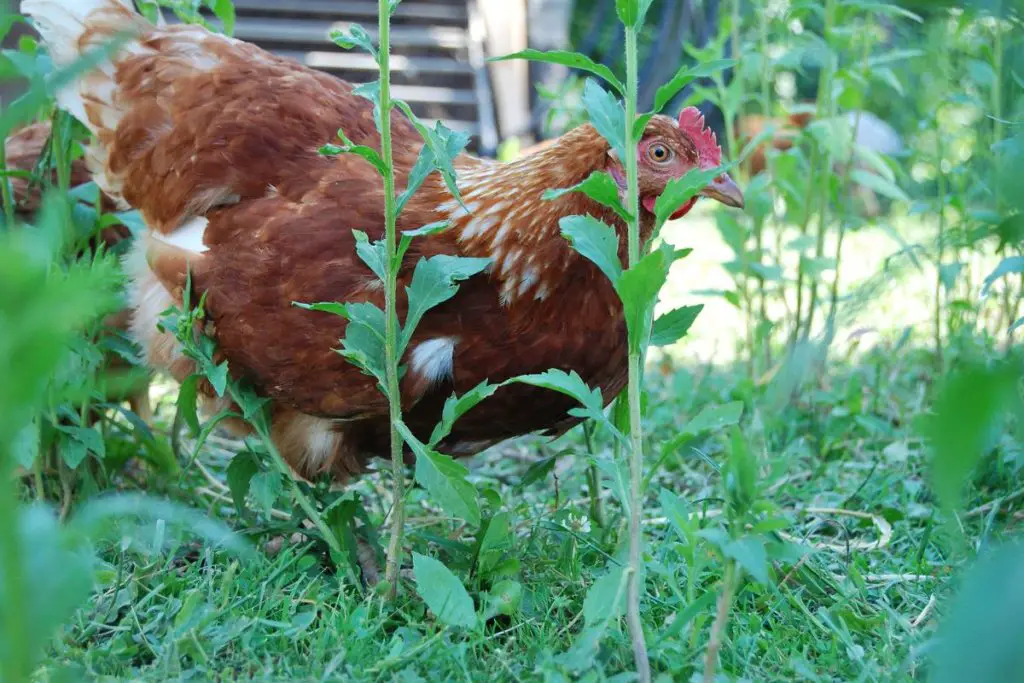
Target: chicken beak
{"points": [[724, 190]]}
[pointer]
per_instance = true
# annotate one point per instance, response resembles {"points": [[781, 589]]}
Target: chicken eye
{"points": [[659, 153]]}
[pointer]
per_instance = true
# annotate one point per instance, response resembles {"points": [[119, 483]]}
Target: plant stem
{"points": [[823, 108], [721, 619], [766, 111], [593, 478], [636, 364], [940, 256], [394, 560]]}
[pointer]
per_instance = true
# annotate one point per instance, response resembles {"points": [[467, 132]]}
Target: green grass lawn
{"points": [[862, 561]]}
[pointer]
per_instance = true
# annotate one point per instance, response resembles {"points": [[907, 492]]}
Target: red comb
{"points": [[691, 121]]}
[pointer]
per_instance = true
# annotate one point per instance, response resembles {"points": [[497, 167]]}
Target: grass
{"points": [[876, 590]]}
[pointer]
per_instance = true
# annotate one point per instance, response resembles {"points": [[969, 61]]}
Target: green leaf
{"points": [[970, 402], [750, 553], [638, 289], [443, 592], [457, 406], [372, 254], [505, 597], [88, 438], [363, 344], [444, 144], [678, 191], [242, 468], [983, 626], [421, 170], [740, 474], [187, 397], [673, 326], [349, 147], [600, 187], [332, 307], [225, 11], [628, 11], [606, 597], [570, 384], [355, 36], [607, 116], [948, 273], [573, 60], [444, 479], [595, 241], [879, 184], [683, 77], [265, 487], [407, 236], [371, 91], [1010, 264], [25, 447], [434, 282]]}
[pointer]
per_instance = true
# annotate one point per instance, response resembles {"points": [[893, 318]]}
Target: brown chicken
{"points": [[216, 142], [23, 150]]}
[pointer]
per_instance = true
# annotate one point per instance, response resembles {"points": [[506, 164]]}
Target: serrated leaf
{"points": [[444, 145], [242, 468], [678, 191], [573, 60], [444, 479], [606, 597], [686, 75], [457, 406], [594, 240], [600, 187], [443, 592], [607, 116], [568, 383], [673, 326], [355, 36], [363, 344], [638, 289], [434, 282], [372, 254], [421, 170], [879, 184], [348, 147]]}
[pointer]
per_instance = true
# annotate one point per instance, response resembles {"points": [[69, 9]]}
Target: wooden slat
{"points": [[355, 9], [260, 30], [360, 61]]}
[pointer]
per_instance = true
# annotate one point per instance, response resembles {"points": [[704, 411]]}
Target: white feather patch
{"points": [[188, 237], [433, 359]]}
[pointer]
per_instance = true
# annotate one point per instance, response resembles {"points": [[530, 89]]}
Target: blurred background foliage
{"points": [[914, 423]]}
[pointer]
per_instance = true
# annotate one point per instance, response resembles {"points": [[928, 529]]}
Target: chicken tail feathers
{"points": [[63, 23]]}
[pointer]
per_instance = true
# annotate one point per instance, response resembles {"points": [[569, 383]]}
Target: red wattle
{"points": [[649, 203]]}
